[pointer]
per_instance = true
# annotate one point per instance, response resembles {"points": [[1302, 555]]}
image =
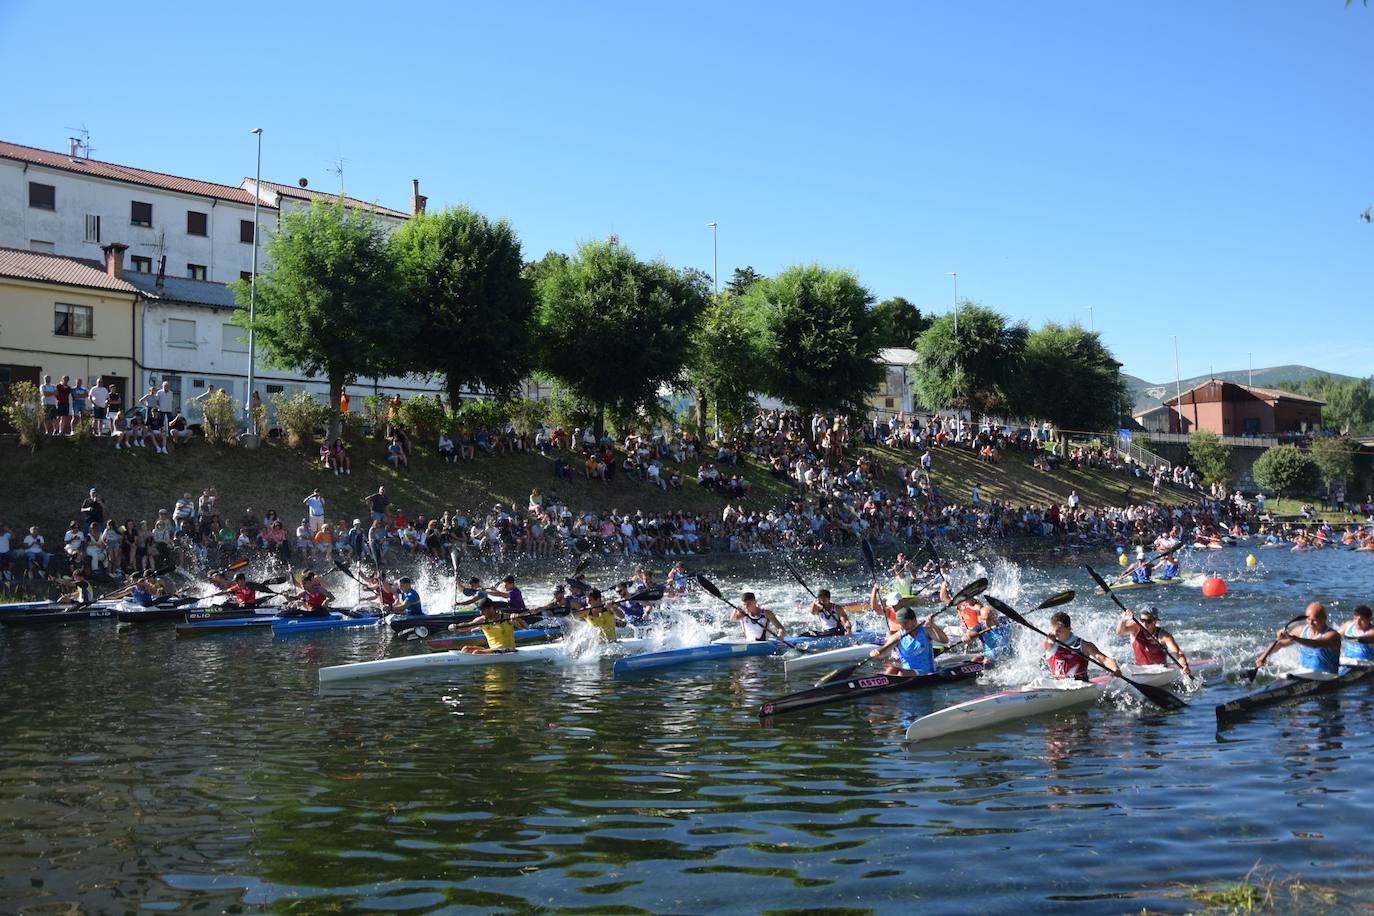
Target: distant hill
{"points": [[1145, 395]]}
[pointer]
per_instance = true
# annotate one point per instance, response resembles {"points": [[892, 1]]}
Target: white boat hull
{"points": [[521, 655]]}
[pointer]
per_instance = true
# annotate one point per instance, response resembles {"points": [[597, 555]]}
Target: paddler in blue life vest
{"points": [[914, 641], [1319, 646], [633, 612], [1357, 647], [1061, 651], [1149, 639], [758, 623], [831, 620], [993, 631], [601, 615], [499, 631], [1140, 571], [1168, 567], [408, 598]]}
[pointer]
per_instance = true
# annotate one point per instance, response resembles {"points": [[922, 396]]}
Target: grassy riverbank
{"points": [[46, 486]]}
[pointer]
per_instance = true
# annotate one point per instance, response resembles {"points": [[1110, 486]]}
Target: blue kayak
{"points": [[211, 626], [289, 626], [722, 649]]}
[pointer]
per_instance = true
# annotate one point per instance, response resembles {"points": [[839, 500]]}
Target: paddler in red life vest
{"points": [[237, 590], [314, 597], [831, 620], [1064, 663], [1149, 640], [914, 640], [758, 623], [382, 590]]}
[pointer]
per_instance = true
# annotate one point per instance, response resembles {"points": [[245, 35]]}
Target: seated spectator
{"points": [[559, 437], [179, 431], [562, 470], [338, 457], [158, 436], [396, 456], [543, 441], [447, 451], [466, 450], [482, 441], [138, 431], [630, 467], [119, 430], [326, 453], [654, 474]]}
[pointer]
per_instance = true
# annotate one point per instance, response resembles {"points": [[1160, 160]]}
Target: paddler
{"points": [[633, 612], [472, 593], [601, 615], [993, 631], [237, 589], [510, 592], [1140, 571], [758, 623], [314, 598], [1062, 651], [914, 641], [81, 592], [831, 620], [382, 590], [1319, 646], [1357, 647], [498, 630], [678, 580], [1149, 640], [1168, 567], [409, 597]]}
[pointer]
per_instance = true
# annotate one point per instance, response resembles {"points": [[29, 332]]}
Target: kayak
{"points": [[334, 620], [1041, 696], [130, 612], [453, 641], [429, 661], [1186, 579], [425, 624], [1293, 686], [208, 624], [56, 618], [34, 606], [858, 688], [721, 649], [796, 663]]}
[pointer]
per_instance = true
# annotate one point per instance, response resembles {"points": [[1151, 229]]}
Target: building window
{"points": [[195, 271], [142, 265], [246, 231], [181, 333], [140, 214], [42, 196], [235, 339], [93, 228], [197, 223], [42, 247], [198, 384], [888, 403], [72, 320], [246, 276]]}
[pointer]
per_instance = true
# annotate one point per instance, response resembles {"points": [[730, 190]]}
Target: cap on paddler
{"points": [[1149, 612], [909, 614]]}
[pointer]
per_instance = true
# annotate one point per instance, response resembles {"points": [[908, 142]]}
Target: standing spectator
{"points": [[64, 407], [116, 401], [49, 392], [166, 405], [93, 513], [79, 397], [100, 399], [314, 504], [148, 404], [377, 503]]}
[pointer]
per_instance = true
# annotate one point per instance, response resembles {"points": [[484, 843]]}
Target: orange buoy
{"points": [[1213, 587]]}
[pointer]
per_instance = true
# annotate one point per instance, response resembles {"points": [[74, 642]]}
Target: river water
{"points": [[139, 771]]}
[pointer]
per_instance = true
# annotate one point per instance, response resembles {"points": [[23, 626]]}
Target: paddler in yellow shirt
{"points": [[601, 615], [498, 630]]}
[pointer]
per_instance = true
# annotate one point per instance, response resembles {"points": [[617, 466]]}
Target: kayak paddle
{"points": [[711, 589], [1102, 583], [798, 576], [1156, 695], [972, 590], [1248, 674]]}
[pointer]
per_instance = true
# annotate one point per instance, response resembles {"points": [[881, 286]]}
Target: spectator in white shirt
{"points": [[314, 504]]}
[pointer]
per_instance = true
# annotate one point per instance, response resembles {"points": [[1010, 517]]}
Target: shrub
{"points": [[25, 412], [220, 418], [299, 414], [526, 415], [1286, 470], [351, 426], [489, 414], [424, 418], [374, 415]]}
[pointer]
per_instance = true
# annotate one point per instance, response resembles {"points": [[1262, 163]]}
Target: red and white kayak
{"points": [[1037, 698]]}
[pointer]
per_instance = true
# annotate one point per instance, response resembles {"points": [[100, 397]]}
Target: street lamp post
{"points": [[715, 260], [250, 426]]}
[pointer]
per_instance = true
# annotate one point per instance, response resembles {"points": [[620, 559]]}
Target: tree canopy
{"points": [[327, 303], [1209, 456], [1349, 402], [1286, 469], [899, 322], [1335, 459], [728, 365], [742, 279], [975, 369], [1071, 379], [820, 342], [462, 280], [614, 329]]}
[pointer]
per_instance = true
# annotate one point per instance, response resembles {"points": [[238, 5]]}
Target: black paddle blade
{"points": [[840, 674], [870, 558], [581, 567], [972, 590], [164, 570], [648, 594], [709, 587], [1101, 582], [797, 575], [1156, 695], [1010, 613], [929, 547], [1055, 600]]}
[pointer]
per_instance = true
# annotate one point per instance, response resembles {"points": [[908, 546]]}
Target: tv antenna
{"points": [[80, 144], [338, 169]]}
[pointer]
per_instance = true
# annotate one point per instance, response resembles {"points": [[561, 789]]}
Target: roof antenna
{"points": [[80, 144], [338, 169]]}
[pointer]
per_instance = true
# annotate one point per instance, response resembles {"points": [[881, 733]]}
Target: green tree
{"points": [[1071, 379], [1286, 469], [1209, 456], [899, 322], [615, 329], [973, 369], [1349, 402], [728, 360], [742, 279], [1335, 459], [327, 304], [462, 278], [820, 341]]}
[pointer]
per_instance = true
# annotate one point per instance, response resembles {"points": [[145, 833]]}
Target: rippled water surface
{"points": [[138, 771]]}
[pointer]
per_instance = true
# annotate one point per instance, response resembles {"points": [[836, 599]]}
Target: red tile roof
{"points": [[299, 193], [55, 268], [98, 169]]}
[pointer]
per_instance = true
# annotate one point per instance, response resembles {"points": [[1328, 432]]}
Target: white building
{"points": [[894, 391]]}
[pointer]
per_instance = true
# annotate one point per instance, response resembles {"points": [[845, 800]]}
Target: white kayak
{"points": [[1039, 697], [520, 655], [797, 663]]}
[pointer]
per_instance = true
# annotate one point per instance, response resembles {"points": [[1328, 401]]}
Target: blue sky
{"points": [[1190, 169]]}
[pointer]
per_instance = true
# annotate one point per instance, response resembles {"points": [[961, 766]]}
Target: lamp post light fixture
{"points": [[715, 260], [249, 424]]}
